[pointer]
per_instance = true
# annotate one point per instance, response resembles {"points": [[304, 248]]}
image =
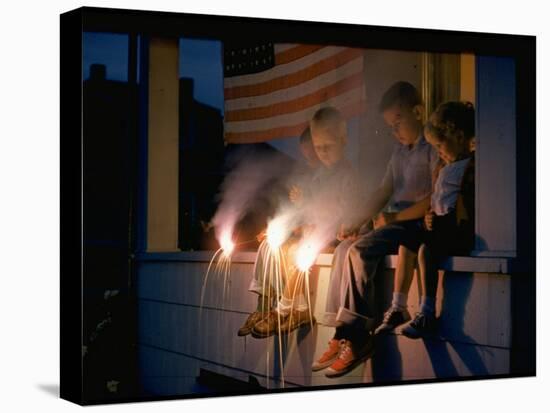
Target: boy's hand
{"points": [[428, 220], [346, 232], [383, 219], [261, 236], [295, 194], [206, 226]]}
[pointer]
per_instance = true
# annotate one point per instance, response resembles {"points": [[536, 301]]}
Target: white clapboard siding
{"points": [[466, 302], [474, 339], [182, 283], [473, 308], [167, 373], [400, 358]]}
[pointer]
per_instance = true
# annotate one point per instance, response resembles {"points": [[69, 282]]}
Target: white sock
{"points": [[284, 306], [299, 303], [399, 301], [427, 305]]}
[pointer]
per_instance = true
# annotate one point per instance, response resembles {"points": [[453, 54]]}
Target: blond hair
{"points": [[329, 118]]}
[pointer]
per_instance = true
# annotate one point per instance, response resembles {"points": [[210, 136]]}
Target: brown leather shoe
{"points": [[268, 325], [248, 325], [296, 319]]}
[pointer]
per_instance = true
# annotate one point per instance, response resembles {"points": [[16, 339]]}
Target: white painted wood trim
{"points": [[497, 265]]}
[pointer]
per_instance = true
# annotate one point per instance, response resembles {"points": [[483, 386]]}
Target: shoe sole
{"points": [[389, 327], [319, 367], [416, 336], [385, 329], [255, 334], [411, 335], [331, 374]]}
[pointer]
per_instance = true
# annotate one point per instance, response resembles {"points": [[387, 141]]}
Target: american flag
{"points": [[272, 90]]}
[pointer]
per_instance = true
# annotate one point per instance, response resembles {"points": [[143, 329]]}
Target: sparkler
{"points": [[274, 272], [226, 243], [276, 233], [272, 255], [223, 264], [305, 256]]}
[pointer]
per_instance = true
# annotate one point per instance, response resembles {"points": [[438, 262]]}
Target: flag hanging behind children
{"points": [[272, 90]]}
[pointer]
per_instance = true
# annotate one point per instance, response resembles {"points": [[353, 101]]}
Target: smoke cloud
{"points": [[250, 175]]}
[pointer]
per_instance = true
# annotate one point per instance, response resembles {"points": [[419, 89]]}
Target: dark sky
{"points": [[199, 59], [108, 49]]}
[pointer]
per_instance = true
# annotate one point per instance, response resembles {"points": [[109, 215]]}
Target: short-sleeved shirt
{"points": [[335, 194], [301, 176], [447, 187], [409, 174]]}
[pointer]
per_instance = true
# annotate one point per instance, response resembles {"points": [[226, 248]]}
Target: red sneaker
{"points": [[328, 357], [351, 355]]}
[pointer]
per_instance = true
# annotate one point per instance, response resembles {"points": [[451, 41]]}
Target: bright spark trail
{"points": [[273, 253]]}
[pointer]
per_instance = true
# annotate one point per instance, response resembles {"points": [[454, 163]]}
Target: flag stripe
{"points": [[298, 104], [309, 87], [342, 100], [295, 78], [278, 102], [353, 109], [282, 70], [295, 53], [281, 47]]}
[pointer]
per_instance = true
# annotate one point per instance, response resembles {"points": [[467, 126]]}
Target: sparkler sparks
{"points": [[305, 256], [276, 233], [222, 265], [226, 243], [277, 279]]}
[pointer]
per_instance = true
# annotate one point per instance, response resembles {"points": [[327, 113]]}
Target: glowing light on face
{"points": [[276, 233], [227, 243], [305, 256]]}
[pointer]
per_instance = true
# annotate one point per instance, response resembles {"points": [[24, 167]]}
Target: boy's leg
{"points": [[403, 276], [364, 258], [397, 313], [334, 295], [263, 285], [356, 312], [357, 309], [337, 285], [263, 282], [428, 272], [424, 321], [293, 291], [292, 309]]}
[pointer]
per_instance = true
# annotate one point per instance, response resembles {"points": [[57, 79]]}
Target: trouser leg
{"points": [[363, 260], [337, 285], [269, 275]]}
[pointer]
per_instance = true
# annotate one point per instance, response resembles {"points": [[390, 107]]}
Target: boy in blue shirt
{"points": [[404, 194]]}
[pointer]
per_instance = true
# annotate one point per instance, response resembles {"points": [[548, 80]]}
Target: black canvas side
{"points": [[71, 206]]}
